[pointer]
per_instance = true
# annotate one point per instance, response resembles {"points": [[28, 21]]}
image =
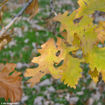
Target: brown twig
{"points": [[4, 29], [52, 8]]}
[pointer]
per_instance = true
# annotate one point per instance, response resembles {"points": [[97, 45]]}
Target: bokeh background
{"points": [[28, 35]]}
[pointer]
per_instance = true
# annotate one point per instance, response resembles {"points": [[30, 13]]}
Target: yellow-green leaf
{"points": [[100, 29], [94, 75], [96, 59], [46, 61], [82, 27], [90, 6], [71, 71]]}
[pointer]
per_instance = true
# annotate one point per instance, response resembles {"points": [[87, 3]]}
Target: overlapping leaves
{"points": [[88, 7], [46, 61], [83, 27], [53, 53], [83, 34]]}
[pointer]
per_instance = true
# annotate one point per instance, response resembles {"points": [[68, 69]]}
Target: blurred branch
{"points": [[52, 7], [53, 25], [4, 29]]}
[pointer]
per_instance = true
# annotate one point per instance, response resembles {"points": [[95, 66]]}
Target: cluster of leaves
{"points": [[79, 33], [58, 58], [10, 79]]}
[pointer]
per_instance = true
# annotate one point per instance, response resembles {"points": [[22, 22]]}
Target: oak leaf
{"points": [[100, 29], [96, 59], [53, 53], [88, 7], [94, 75], [71, 71], [10, 85], [82, 27], [32, 9], [103, 75], [46, 61]]}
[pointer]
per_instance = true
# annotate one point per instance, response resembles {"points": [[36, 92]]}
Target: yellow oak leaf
{"points": [[97, 63], [71, 71], [50, 53], [103, 75], [94, 75], [66, 23], [10, 85], [100, 29], [82, 27], [36, 75], [88, 40], [96, 59], [80, 33], [90, 6], [76, 41]]}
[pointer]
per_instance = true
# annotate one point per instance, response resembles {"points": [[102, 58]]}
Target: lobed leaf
{"points": [[53, 53], [100, 29], [10, 85], [71, 71], [88, 7], [32, 9]]}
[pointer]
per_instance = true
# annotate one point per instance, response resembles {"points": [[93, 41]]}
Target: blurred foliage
{"points": [[22, 53]]}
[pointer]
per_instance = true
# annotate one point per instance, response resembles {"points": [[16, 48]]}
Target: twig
{"points": [[52, 8], [2, 32], [53, 14]]}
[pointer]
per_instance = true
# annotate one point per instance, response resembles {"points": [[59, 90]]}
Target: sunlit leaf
{"points": [[90, 6]]}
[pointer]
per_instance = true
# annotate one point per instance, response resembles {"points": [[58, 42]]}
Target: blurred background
{"points": [[28, 35]]}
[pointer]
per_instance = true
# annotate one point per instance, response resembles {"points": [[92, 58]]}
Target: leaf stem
{"points": [[4, 29]]}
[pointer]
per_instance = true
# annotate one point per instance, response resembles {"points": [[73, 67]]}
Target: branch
{"points": [[52, 8], [4, 29]]}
